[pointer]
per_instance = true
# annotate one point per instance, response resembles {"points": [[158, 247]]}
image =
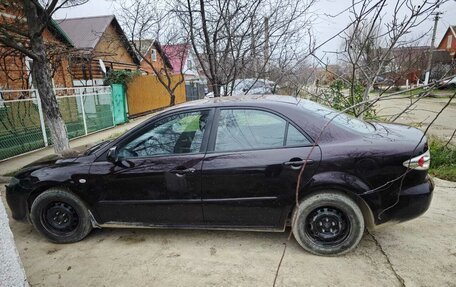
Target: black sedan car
{"points": [[234, 163]]}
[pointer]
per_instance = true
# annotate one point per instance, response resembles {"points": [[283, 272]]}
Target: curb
{"points": [[12, 271]]}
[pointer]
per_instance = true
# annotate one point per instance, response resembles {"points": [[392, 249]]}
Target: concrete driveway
{"points": [[421, 252]]}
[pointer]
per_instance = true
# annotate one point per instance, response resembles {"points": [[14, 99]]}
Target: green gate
{"points": [[119, 109]]}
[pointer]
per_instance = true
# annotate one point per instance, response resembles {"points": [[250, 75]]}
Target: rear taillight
{"points": [[420, 162]]}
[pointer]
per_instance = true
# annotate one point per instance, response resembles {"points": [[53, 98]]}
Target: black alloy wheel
{"points": [[327, 225], [60, 217]]}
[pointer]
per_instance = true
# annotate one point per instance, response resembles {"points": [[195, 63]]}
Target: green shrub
{"points": [[337, 98], [120, 77], [443, 159]]}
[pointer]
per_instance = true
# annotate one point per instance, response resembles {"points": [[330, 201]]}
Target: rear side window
{"points": [[246, 129], [295, 137], [249, 129]]}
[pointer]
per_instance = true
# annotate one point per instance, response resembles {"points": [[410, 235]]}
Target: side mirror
{"points": [[112, 155]]}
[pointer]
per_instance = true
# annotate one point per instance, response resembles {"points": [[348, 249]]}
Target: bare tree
{"points": [[371, 38], [22, 29], [234, 39], [150, 27]]}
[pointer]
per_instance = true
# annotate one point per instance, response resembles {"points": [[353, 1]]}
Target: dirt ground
{"points": [[421, 252], [422, 113]]}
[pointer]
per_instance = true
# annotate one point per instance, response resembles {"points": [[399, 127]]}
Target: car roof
{"points": [[247, 100]]}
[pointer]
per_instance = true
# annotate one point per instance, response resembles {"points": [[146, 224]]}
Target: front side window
{"points": [[176, 134], [245, 129]]}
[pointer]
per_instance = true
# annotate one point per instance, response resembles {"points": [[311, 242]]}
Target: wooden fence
{"points": [[146, 93]]}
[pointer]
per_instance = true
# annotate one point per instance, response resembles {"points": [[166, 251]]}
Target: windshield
{"points": [[337, 117], [96, 147]]}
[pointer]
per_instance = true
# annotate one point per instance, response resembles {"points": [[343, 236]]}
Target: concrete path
{"points": [[13, 164], [421, 252]]}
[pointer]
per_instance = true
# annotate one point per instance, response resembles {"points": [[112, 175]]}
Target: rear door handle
{"points": [[183, 171], [296, 164]]}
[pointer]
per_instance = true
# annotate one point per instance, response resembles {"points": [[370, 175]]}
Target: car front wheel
{"points": [[328, 223], [60, 216]]}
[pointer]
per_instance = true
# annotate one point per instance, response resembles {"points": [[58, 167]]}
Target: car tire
{"points": [[60, 216], [328, 223]]}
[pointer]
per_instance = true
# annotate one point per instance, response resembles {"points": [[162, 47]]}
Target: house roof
{"points": [[451, 28], [86, 32], [177, 55]]}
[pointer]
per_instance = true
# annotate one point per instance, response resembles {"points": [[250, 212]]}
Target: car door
{"points": [[157, 179], [251, 168]]}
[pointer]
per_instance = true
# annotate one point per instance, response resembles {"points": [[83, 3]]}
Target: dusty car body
{"points": [[227, 182]]}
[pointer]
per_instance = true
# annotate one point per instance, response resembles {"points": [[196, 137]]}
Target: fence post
{"points": [[40, 112], [83, 114]]}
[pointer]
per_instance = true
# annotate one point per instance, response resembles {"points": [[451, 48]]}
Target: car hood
{"points": [[67, 157]]}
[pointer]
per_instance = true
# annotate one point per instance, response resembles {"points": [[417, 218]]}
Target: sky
{"points": [[324, 26]]}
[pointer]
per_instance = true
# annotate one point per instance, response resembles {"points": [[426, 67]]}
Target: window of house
{"points": [[189, 64], [245, 129], [176, 134], [153, 55], [449, 41]]}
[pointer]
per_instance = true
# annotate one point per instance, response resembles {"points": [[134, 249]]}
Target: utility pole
{"points": [[431, 49]]}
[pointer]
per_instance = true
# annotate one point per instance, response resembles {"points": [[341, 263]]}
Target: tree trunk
{"points": [[172, 99], [42, 80], [216, 89]]}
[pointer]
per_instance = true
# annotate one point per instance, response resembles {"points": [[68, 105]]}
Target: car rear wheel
{"points": [[60, 216], [328, 223]]}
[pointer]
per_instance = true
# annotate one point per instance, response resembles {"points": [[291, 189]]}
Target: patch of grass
{"points": [[443, 159]]}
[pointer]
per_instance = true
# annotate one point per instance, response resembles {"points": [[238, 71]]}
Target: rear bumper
{"points": [[413, 202]]}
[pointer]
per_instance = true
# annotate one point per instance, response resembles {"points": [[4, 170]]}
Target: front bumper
{"points": [[413, 202], [17, 201]]}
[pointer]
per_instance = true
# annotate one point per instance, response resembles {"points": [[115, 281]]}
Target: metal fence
{"points": [[22, 123]]}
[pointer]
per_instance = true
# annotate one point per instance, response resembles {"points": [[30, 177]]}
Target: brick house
{"points": [[448, 42], [153, 54], [101, 45], [15, 67]]}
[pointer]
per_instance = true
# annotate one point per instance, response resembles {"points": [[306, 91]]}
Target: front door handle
{"points": [[183, 171], [296, 164]]}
